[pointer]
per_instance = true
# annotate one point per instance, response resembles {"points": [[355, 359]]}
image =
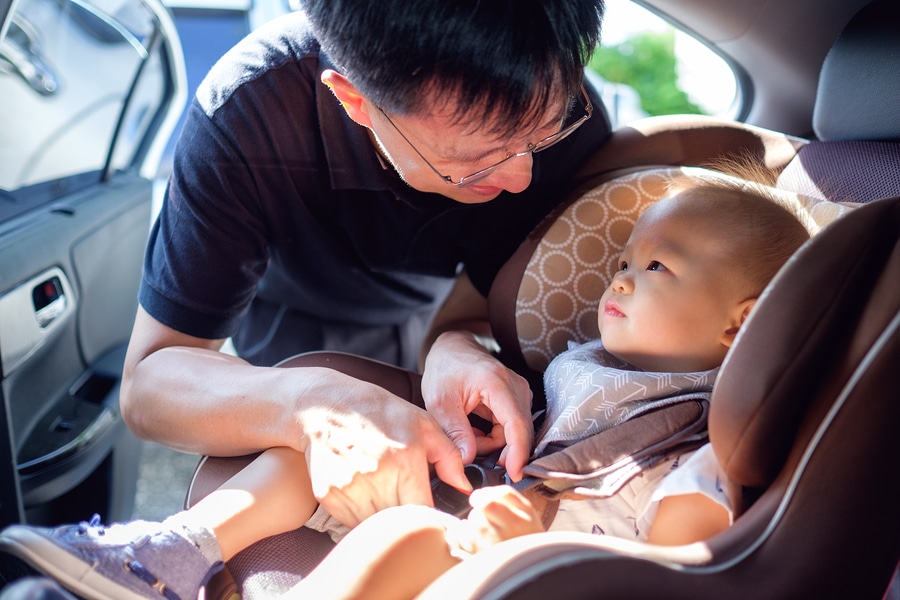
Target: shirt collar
{"points": [[353, 160]]}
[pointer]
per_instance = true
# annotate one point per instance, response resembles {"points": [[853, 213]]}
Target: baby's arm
{"points": [[500, 513], [687, 518]]}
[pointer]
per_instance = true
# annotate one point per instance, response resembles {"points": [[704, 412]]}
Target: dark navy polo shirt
{"points": [[276, 194]]}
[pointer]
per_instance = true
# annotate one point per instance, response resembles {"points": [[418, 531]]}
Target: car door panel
{"points": [[65, 419], [107, 268]]}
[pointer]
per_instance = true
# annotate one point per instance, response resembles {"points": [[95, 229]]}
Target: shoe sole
{"points": [[67, 569]]}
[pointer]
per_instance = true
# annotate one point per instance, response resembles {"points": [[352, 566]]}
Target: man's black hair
{"points": [[504, 62]]}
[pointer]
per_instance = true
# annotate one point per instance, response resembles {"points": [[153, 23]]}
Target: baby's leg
{"points": [[141, 559], [271, 495], [395, 553]]}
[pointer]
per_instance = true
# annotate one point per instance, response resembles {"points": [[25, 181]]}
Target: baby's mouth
{"points": [[612, 309]]}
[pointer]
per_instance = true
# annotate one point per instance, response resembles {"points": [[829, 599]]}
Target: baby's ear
{"points": [[353, 102], [738, 316]]}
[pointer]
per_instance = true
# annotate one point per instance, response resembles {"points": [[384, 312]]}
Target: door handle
{"points": [[49, 300], [31, 314], [21, 50]]}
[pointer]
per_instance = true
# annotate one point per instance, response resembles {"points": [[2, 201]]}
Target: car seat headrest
{"points": [[547, 293], [860, 80], [844, 171], [808, 332]]}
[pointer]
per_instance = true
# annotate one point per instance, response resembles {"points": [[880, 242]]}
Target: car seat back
{"points": [[805, 411], [804, 414]]}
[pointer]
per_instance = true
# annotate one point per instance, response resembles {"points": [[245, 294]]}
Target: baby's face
{"points": [[671, 302]]}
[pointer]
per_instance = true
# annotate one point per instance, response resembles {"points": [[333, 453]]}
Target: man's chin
{"points": [[476, 194]]}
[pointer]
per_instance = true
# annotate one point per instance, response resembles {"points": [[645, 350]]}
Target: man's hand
{"points": [[461, 377], [371, 452]]}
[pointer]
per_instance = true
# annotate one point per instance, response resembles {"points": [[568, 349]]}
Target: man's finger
{"points": [[489, 444], [519, 439], [518, 432], [414, 487], [445, 456], [339, 506], [454, 423]]}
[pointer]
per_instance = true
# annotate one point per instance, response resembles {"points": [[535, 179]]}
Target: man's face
{"points": [[457, 150]]}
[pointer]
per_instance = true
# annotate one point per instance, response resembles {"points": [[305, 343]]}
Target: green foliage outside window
{"points": [[646, 62]]}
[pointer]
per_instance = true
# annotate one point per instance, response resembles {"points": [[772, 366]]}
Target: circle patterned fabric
{"points": [[577, 257]]}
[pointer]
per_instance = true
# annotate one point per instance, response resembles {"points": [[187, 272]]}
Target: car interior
{"points": [[804, 413]]}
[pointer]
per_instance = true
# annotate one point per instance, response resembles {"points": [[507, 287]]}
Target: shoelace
{"points": [[150, 579], [94, 523], [132, 566]]}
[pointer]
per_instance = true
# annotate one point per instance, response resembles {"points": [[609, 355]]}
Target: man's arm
{"points": [[366, 448], [461, 376]]}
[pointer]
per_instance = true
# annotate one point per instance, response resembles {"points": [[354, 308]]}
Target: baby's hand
{"points": [[500, 513]]}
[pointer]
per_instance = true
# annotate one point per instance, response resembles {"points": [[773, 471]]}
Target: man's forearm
{"points": [[202, 401]]}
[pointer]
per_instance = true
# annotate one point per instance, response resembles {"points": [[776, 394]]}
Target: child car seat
{"points": [[805, 411], [555, 294], [804, 415], [798, 337]]}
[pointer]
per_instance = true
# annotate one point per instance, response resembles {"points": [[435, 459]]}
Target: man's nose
{"points": [[514, 175]]}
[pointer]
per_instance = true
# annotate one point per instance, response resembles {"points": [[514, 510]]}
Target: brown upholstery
{"points": [[807, 401], [689, 140]]}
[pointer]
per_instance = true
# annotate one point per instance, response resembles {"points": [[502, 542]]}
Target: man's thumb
{"points": [[448, 457]]}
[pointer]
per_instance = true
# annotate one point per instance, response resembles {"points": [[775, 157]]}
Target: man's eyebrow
{"points": [[471, 156], [463, 155]]}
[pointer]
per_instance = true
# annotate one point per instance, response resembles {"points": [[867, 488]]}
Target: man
{"points": [[338, 170]]}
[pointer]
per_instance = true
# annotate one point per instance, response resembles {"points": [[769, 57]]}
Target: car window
{"points": [[81, 83], [646, 66]]}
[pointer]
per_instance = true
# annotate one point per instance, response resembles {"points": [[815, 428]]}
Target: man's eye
{"points": [[655, 265]]}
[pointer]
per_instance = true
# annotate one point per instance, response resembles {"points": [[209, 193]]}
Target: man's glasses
{"points": [[532, 148]]}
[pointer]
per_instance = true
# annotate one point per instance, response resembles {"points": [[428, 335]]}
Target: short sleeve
{"points": [[699, 473]]}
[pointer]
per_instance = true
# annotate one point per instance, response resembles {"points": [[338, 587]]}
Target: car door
{"points": [[90, 91]]}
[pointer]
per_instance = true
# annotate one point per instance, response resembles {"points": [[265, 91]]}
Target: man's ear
{"points": [[353, 102], [738, 316]]}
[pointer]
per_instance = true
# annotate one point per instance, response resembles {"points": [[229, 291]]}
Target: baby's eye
{"points": [[623, 266], [655, 265]]}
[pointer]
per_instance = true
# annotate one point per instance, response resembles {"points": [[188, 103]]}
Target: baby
{"points": [[688, 277]]}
